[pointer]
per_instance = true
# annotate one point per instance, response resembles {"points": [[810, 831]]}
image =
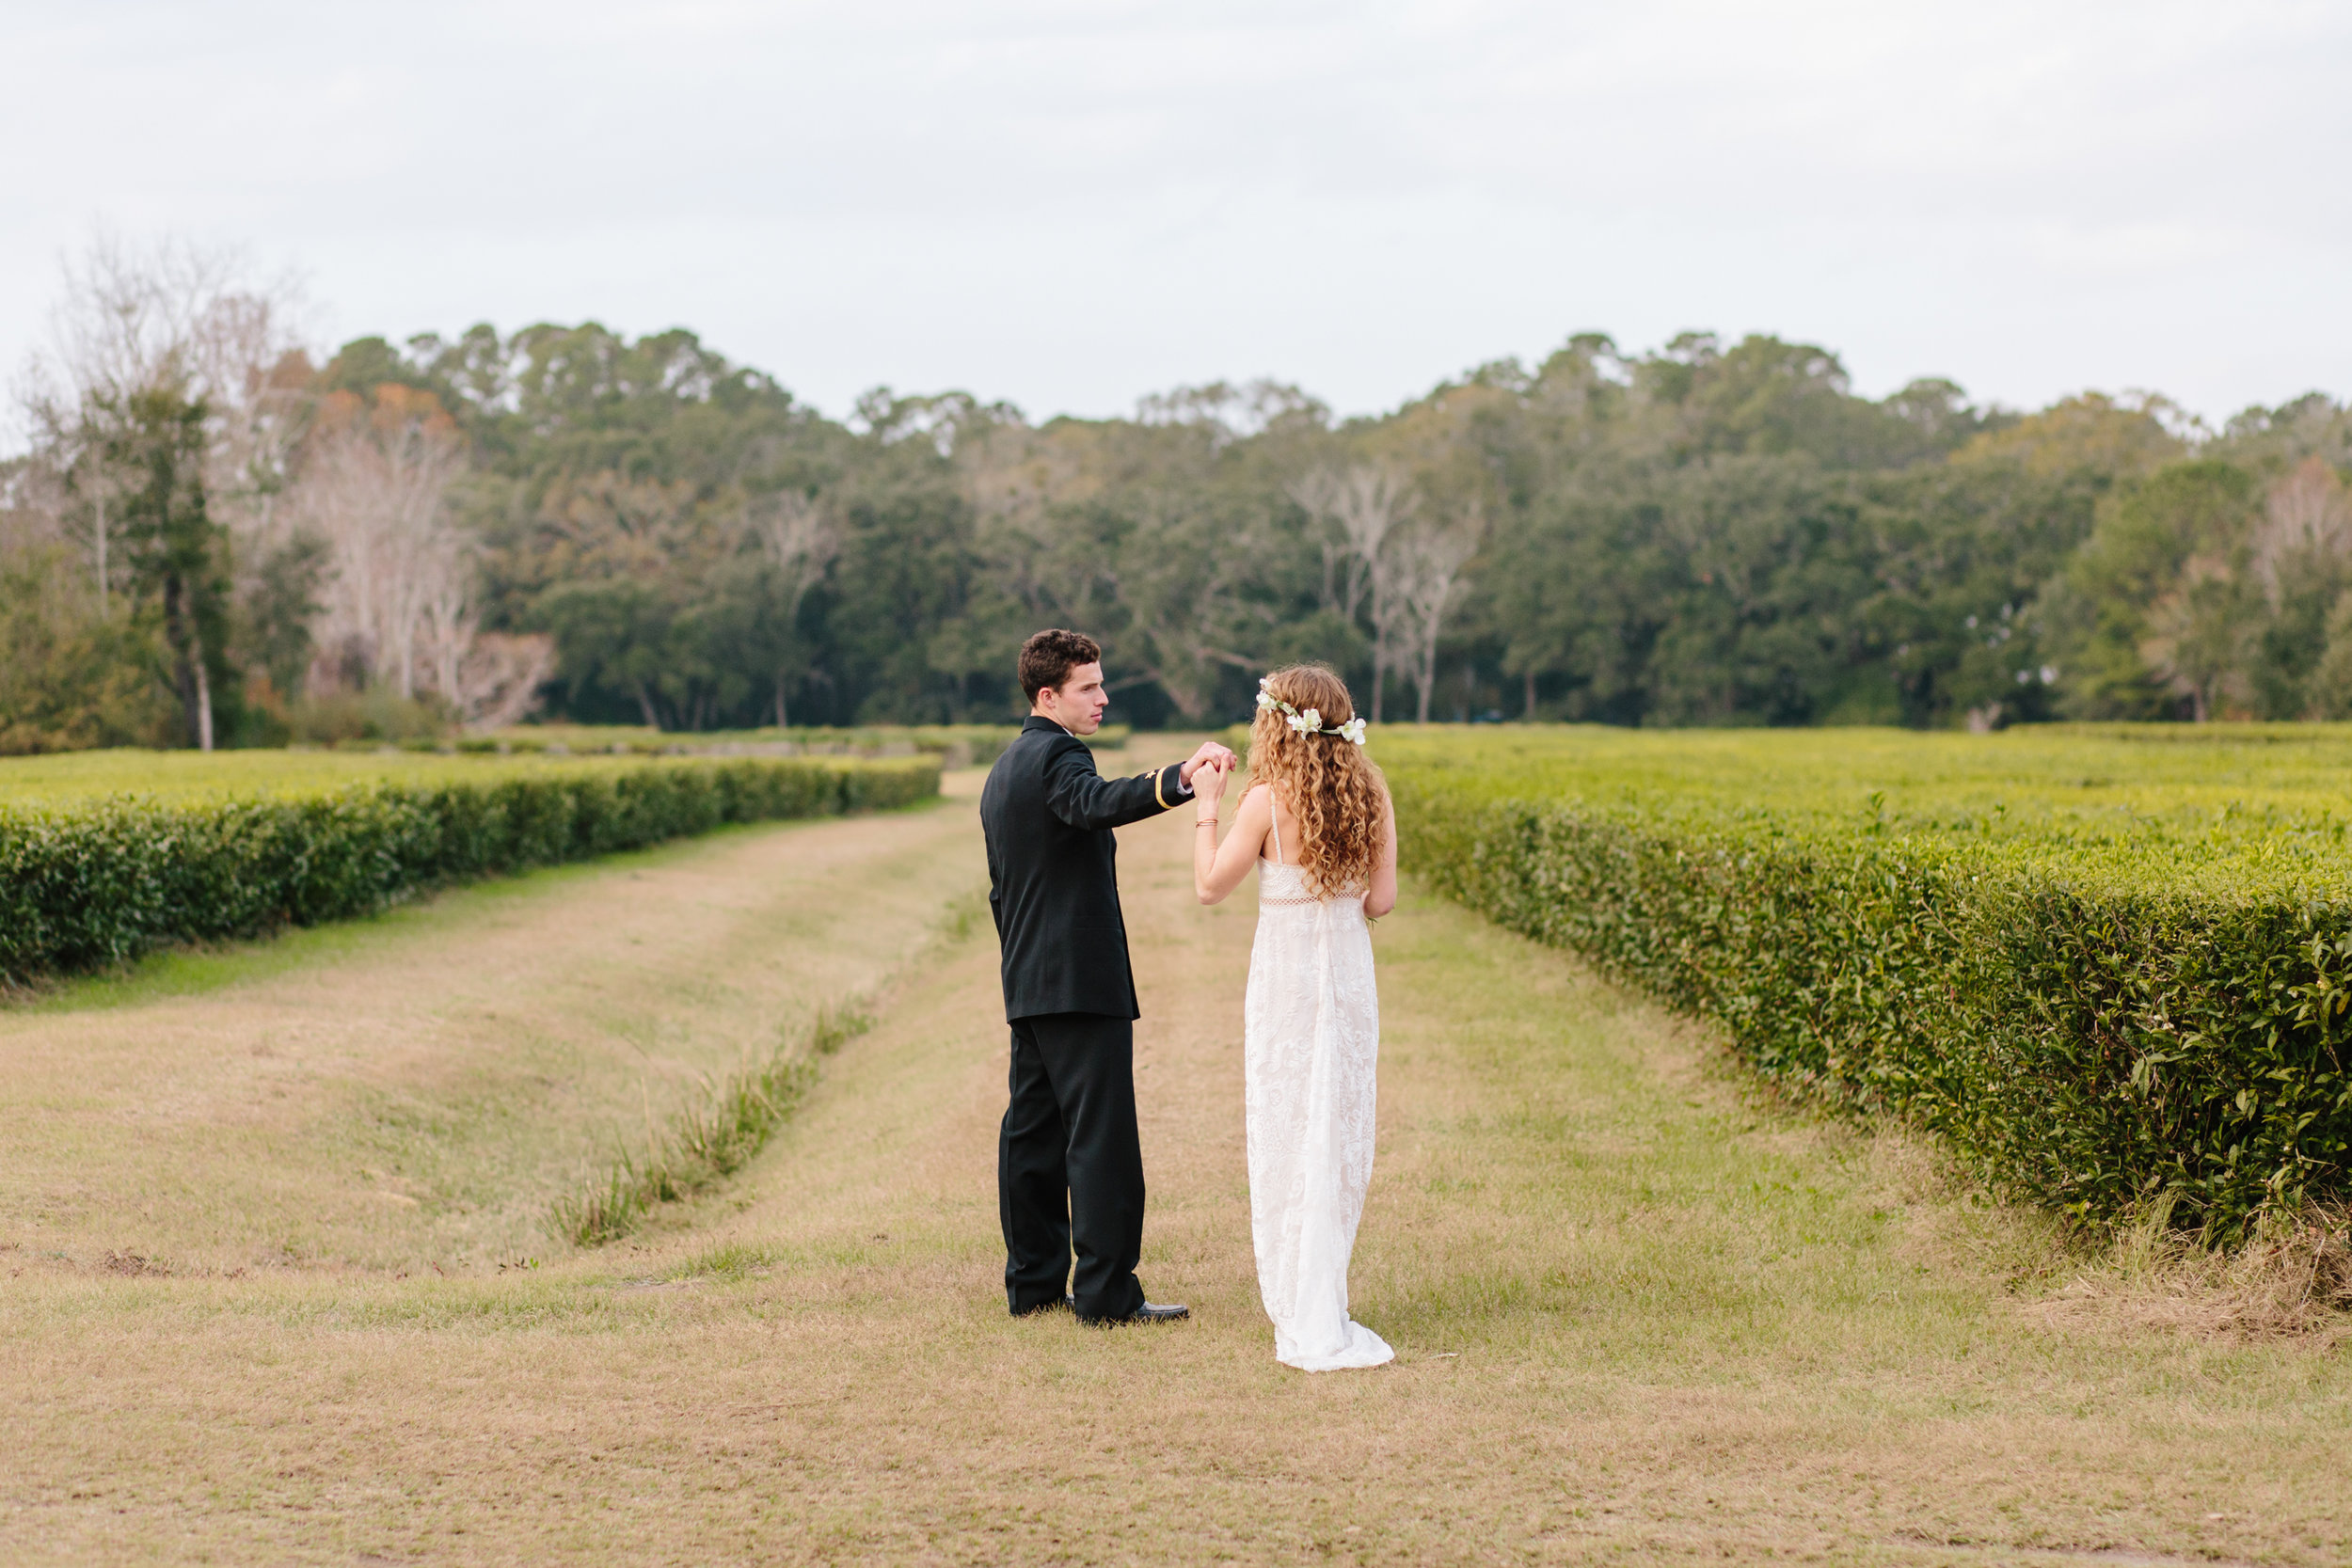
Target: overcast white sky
{"points": [[1071, 204]]}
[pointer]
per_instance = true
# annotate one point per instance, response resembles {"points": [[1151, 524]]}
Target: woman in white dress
{"points": [[1317, 825]]}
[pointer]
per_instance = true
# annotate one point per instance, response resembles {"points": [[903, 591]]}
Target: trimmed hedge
{"points": [[2093, 1031], [958, 745], [94, 884]]}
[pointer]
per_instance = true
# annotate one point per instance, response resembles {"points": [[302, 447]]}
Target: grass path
{"points": [[1640, 1319], [411, 1092]]}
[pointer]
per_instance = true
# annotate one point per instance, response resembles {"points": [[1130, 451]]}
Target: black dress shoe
{"points": [[1150, 1312], [1067, 1304]]}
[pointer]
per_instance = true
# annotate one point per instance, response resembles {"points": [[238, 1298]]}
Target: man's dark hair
{"points": [[1047, 658]]}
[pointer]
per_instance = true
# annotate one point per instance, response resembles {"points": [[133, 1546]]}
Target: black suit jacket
{"points": [[1053, 871]]}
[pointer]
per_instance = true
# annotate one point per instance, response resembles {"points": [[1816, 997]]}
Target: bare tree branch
{"points": [[1422, 569]]}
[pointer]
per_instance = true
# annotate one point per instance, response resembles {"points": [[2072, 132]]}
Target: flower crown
{"points": [[1310, 721]]}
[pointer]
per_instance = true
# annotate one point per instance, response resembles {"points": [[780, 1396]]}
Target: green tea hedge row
{"points": [[2110, 1048], [958, 745], [92, 885]]}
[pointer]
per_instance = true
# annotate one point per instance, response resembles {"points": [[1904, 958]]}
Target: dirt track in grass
{"points": [[1640, 1318]]}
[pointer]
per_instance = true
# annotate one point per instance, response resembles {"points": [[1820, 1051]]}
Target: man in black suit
{"points": [[1069, 1167]]}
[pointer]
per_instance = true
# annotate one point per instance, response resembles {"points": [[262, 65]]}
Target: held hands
{"points": [[1212, 766], [1205, 771], [1208, 789]]}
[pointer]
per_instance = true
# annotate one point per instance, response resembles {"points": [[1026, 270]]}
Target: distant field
{"points": [[525, 750], [1940, 763], [2221, 809], [180, 777], [976, 743]]}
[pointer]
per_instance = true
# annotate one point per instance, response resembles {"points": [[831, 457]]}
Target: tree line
{"points": [[216, 535]]}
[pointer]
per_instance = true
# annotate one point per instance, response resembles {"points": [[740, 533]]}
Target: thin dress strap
{"points": [[1275, 818]]}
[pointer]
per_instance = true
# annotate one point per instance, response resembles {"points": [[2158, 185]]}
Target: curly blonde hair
{"points": [[1329, 786]]}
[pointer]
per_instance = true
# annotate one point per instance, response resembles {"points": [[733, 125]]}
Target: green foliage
{"points": [[274, 626], [2113, 972], [94, 882], [1709, 534], [1706, 533], [178, 555], [378, 715], [2330, 686], [69, 680], [2162, 583], [1675, 537]]}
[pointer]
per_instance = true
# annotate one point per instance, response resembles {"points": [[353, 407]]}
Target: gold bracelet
{"points": [[1204, 822]]}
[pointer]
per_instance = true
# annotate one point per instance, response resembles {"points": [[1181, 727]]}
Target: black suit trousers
{"points": [[1069, 1165]]}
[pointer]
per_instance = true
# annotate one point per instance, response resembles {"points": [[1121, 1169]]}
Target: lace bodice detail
{"points": [[1283, 886]]}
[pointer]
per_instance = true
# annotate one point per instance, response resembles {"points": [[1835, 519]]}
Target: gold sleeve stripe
{"points": [[1158, 779]]}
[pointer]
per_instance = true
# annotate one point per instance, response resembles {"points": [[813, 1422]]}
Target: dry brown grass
{"points": [[2291, 1281], [1642, 1317]]}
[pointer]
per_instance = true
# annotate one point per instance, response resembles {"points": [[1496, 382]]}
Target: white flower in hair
{"points": [[1309, 722]]}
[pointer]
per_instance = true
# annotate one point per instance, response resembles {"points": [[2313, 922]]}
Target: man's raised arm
{"points": [[1084, 799]]}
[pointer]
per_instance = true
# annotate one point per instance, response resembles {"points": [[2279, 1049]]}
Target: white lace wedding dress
{"points": [[1311, 1044]]}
